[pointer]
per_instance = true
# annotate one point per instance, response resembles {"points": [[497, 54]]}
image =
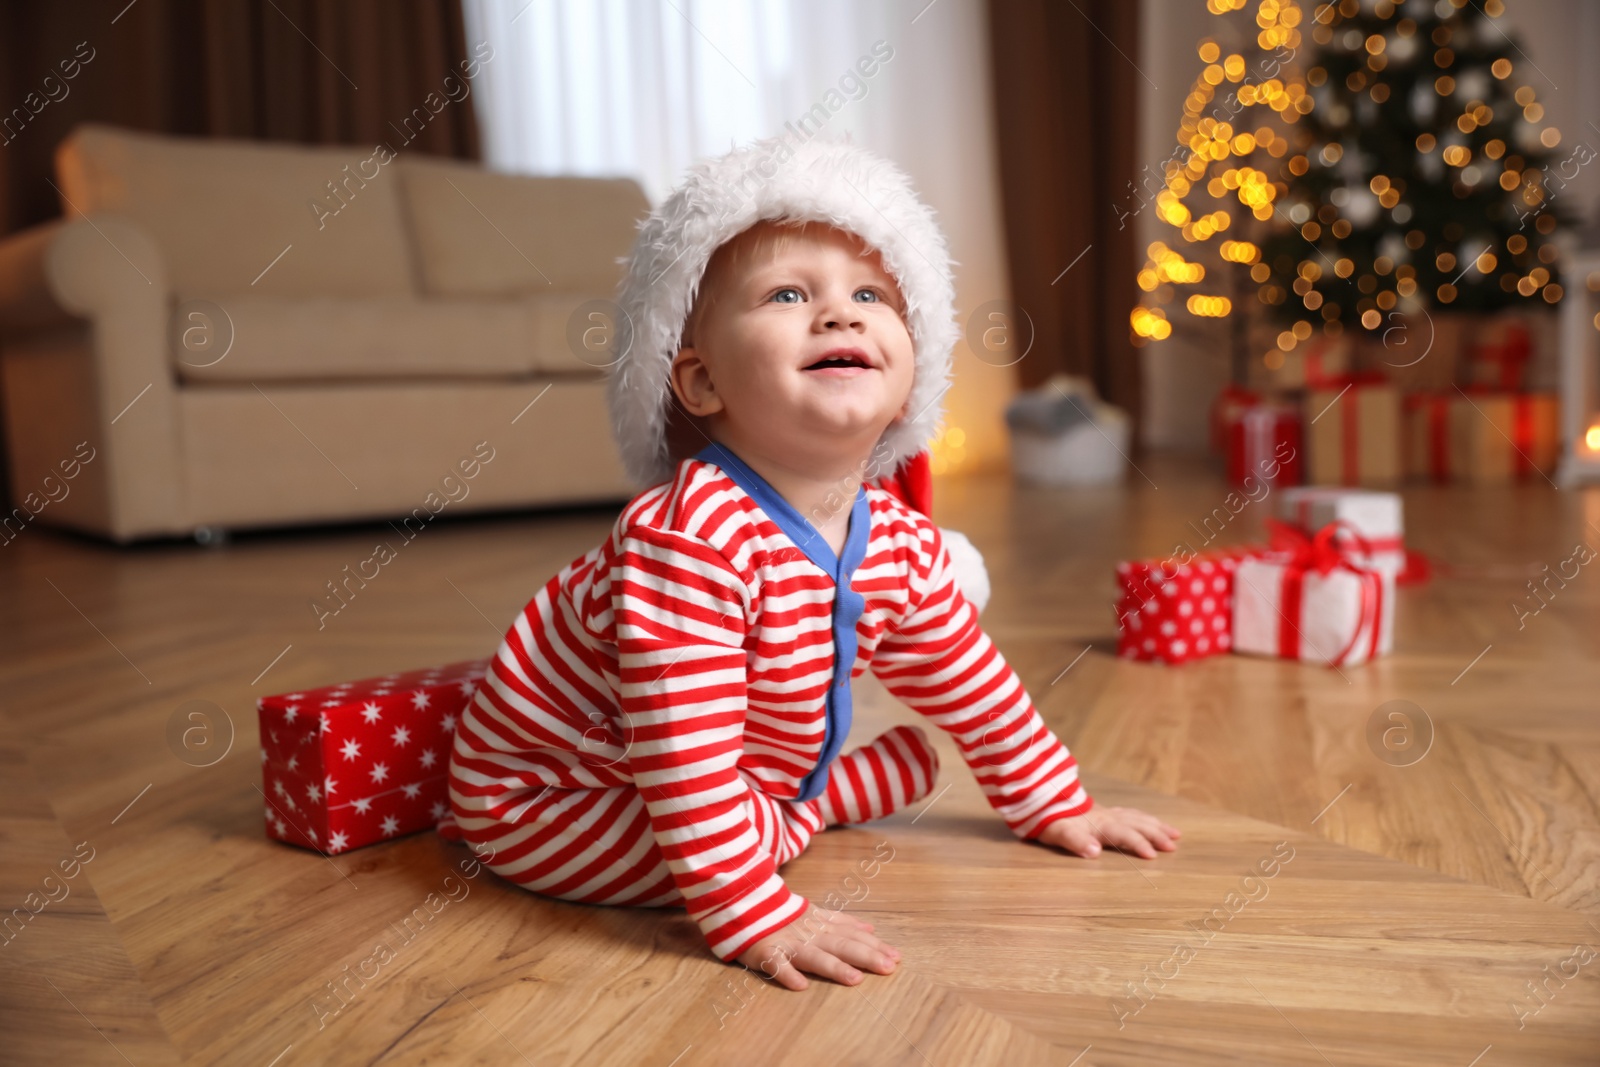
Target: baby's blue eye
{"points": [[874, 293], [786, 289]]}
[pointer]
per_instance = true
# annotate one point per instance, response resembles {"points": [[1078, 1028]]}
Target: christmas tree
{"points": [[1407, 169]]}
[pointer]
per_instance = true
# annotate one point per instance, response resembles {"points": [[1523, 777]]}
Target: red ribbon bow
{"points": [[1323, 553]]}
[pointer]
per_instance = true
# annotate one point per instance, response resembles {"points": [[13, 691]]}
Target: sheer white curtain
{"points": [[644, 87]]}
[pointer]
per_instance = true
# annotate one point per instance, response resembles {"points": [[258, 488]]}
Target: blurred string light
{"points": [[1215, 138], [948, 451], [1327, 240], [1239, 252], [1213, 307]]}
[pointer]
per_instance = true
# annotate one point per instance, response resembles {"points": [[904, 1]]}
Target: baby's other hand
{"points": [[1129, 829], [826, 943]]}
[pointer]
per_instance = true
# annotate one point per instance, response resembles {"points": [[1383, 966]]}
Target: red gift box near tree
{"points": [[1259, 438], [356, 763]]}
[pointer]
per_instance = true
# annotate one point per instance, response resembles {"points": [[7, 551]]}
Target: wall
{"points": [[936, 122]]}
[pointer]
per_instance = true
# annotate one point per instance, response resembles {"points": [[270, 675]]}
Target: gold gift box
{"points": [[1353, 434], [1503, 437]]}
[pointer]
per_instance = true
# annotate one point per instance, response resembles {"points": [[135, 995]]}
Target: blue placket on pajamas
{"points": [[847, 603]]}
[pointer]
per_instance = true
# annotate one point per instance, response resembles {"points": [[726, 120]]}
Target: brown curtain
{"points": [[307, 71], [1066, 98], [304, 71]]}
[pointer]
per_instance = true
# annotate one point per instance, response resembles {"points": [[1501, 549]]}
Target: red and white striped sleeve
{"points": [[680, 609], [940, 663]]}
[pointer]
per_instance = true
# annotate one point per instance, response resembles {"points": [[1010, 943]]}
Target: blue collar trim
{"points": [[795, 525]]}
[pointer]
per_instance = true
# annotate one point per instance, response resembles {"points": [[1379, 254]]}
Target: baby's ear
{"points": [[685, 352], [692, 386], [684, 432]]}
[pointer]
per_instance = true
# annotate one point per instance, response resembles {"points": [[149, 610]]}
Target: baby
{"points": [[663, 724]]}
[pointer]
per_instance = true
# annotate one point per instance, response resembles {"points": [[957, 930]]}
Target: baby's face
{"points": [[757, 363]]}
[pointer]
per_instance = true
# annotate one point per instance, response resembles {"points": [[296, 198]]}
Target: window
{"points": [[645, 87]]}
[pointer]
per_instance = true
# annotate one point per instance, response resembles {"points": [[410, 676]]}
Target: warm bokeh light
{"points": [[948, 451], [1317, 230], [1239, 252], [1215, 307]]}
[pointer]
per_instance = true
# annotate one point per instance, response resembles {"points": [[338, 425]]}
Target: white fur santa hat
{"points": [[779, 178], [833, 182]]}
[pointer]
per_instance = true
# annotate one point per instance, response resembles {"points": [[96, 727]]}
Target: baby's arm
{"points": [[939, 662], [679, 610]]}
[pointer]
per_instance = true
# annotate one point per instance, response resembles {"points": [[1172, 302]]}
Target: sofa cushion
{"points": [[574, 332], [291, 455], [274, 338], [479, 233], [224, 211], [260, 338]]}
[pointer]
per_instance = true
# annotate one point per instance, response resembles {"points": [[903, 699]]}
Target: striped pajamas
{"points": [[663, 723]]}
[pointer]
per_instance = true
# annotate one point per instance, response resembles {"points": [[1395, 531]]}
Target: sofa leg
{"points": [[210, 535]]}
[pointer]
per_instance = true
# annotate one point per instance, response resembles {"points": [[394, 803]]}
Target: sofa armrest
{"points": [[26, 300], [108, 270]]}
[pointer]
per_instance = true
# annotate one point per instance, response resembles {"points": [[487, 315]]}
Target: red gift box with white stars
{"points": [[361, 762], [1172, 611]]}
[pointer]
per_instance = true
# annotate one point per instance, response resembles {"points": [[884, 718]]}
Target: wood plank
{"points": [[68, 991]]}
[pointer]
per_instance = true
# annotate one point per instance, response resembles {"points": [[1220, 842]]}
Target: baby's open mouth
{"points": [[842, 359]]}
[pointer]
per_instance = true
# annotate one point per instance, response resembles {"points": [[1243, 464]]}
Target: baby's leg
{"points": [[879, 779], [588, 845], [596, 845], [785, 827]]}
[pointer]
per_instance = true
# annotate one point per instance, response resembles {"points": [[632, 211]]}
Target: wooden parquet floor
{"points": [[1434, 910]]}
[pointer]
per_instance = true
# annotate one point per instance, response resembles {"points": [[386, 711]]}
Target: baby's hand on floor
{"points": [[825, 943], [1129, 829]]}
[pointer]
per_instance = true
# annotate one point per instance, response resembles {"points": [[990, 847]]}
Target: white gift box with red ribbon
{"points": [[1373, 534], [1312, 602]]}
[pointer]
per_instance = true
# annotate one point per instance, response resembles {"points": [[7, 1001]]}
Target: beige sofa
{"points": [[229, 334]]}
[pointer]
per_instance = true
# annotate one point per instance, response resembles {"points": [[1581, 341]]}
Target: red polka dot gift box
{"points": [[1173, 612], [361, 762]]}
